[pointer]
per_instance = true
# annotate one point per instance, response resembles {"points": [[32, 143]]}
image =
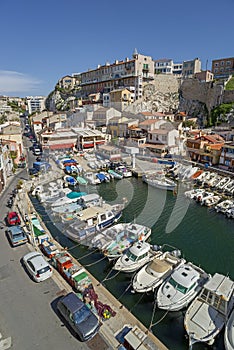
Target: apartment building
{"points": [[191, 67], [35, 104], [223, 67], [204, 76], [167, 66], [129, 73]]}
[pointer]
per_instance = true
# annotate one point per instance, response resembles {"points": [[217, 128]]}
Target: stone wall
{"points": [[228, 96]]}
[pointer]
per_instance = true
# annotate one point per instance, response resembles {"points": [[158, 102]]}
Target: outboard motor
{"points": [[176, 253]]}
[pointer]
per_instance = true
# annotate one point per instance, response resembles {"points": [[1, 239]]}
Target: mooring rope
{"points": [[108, 279], [95, 262], [124, 292]]}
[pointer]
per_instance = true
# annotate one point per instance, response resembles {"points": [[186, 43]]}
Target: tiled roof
{"points": [[159, 131], [148, 122]]}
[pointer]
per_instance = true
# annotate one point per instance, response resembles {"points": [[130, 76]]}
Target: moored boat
{"points": [[184, 284], [229, 333], [207, 314], [155, 272]]}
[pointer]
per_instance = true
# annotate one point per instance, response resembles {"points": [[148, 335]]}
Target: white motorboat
{"points": [[92, 178], [206, 196], [214, 178], [154, 273], [83, 202], [52, 194], [70, 180], [184, 284], [224, 206], [124, 171], [230, 213], [139, 254], [212, 200], [194, 193], [215, 181], [160, 182], [229, 333], [208, 313], [199, 198], [71, 197], [223, 183], [128, 234], [229, 188]]}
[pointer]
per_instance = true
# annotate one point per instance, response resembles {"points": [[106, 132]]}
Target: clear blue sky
{"points": [[41, 41]]}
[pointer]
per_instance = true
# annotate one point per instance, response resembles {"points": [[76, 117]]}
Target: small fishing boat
{"points": [[52, 194], [206, 197], [208, 313], [92, 220], [123, 239], [70, 180], [123, 170], [115, 174], [184, 284], [139, 254], [223, 183], [81, 180], [154, 273], [229, 188], [230, 213], [197, 174], [102, 177], [229, 333], [83, 202]]}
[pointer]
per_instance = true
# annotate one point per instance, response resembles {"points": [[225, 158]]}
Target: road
{"points": [[27, 309]]}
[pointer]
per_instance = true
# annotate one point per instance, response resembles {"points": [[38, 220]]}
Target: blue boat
{"points": [[70, 180]]}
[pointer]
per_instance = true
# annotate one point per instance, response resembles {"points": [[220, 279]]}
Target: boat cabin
{"points": [[218, 292], [138, 251]]}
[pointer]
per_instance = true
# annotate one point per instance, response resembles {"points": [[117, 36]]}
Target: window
{"points": [[222, 63], [228, 63]]}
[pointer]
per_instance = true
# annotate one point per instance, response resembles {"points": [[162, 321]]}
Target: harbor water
{"points": [[203, 236]]}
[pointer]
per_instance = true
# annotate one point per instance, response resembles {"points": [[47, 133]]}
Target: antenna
{"points": [[206, 64]]}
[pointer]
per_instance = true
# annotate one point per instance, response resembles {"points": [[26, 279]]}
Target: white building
{"points": [[35, 104]]}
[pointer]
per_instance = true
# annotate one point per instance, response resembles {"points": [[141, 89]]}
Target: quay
{"points": [[112, 326]]}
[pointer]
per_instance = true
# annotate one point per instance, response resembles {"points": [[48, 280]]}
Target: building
{"points": [[67, 82], [191, 67], [119, 126], [223, 67], [11, 135], [121, 98], [61, 139], [167, 66], [35, 104], [128, 73], [204, 76], [102, 115], [111, 153], [88, 139], [227, 156]]}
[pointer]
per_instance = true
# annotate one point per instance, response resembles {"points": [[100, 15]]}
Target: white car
{"points": [[37, 266]]}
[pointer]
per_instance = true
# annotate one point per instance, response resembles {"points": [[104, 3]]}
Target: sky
{"points": [[42, 41]]}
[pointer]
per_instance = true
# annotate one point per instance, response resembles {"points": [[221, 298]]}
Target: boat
{"points": [[202, 177], [38, 230], [192, 194], [91, 221], [139, 254], [81, 180], [81, 203], [91, 178], [197, 174], [154, 273], [116, 175], [71, 197], [208, 313], [184, 284], [229, 333], [206, 197], [229, 188], [223, 183], [224, 206], [210, 201], [50, 195], [102, 177], [202, 195], [230, 213], [125, 236], [159, 181], [70, 180], [124, 171]]}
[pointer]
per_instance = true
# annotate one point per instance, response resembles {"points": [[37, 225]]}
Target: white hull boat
{"points": [[208, 313], [125, 237], [194, 193], [154, 273], [229, 333], [184, 284], [210, 201], [139, 254], [159, 182], [224, 206]]}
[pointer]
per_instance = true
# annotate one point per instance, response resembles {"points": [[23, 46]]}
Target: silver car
{"points": [[37, 266]]}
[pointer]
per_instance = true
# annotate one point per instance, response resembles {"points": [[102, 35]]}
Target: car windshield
{"points": [[81, 315], [18, 235]]}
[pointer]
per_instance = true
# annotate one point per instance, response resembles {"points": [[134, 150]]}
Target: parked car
{"points": [[13, 218], [78, 316], [37, 266], [17, 236]]}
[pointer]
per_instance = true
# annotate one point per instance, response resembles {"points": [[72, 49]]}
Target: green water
{"points": [[203, 236]]}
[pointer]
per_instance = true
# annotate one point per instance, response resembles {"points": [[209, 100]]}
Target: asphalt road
{"points": [[27, 309]]}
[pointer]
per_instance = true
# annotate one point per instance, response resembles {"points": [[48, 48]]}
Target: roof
{"points": [[159, 131], [221, 285], [185, 275], [152, 145], [148, 122], [139, 248]]}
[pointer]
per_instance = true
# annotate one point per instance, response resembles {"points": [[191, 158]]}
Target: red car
{"points": [[13, 218]]}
